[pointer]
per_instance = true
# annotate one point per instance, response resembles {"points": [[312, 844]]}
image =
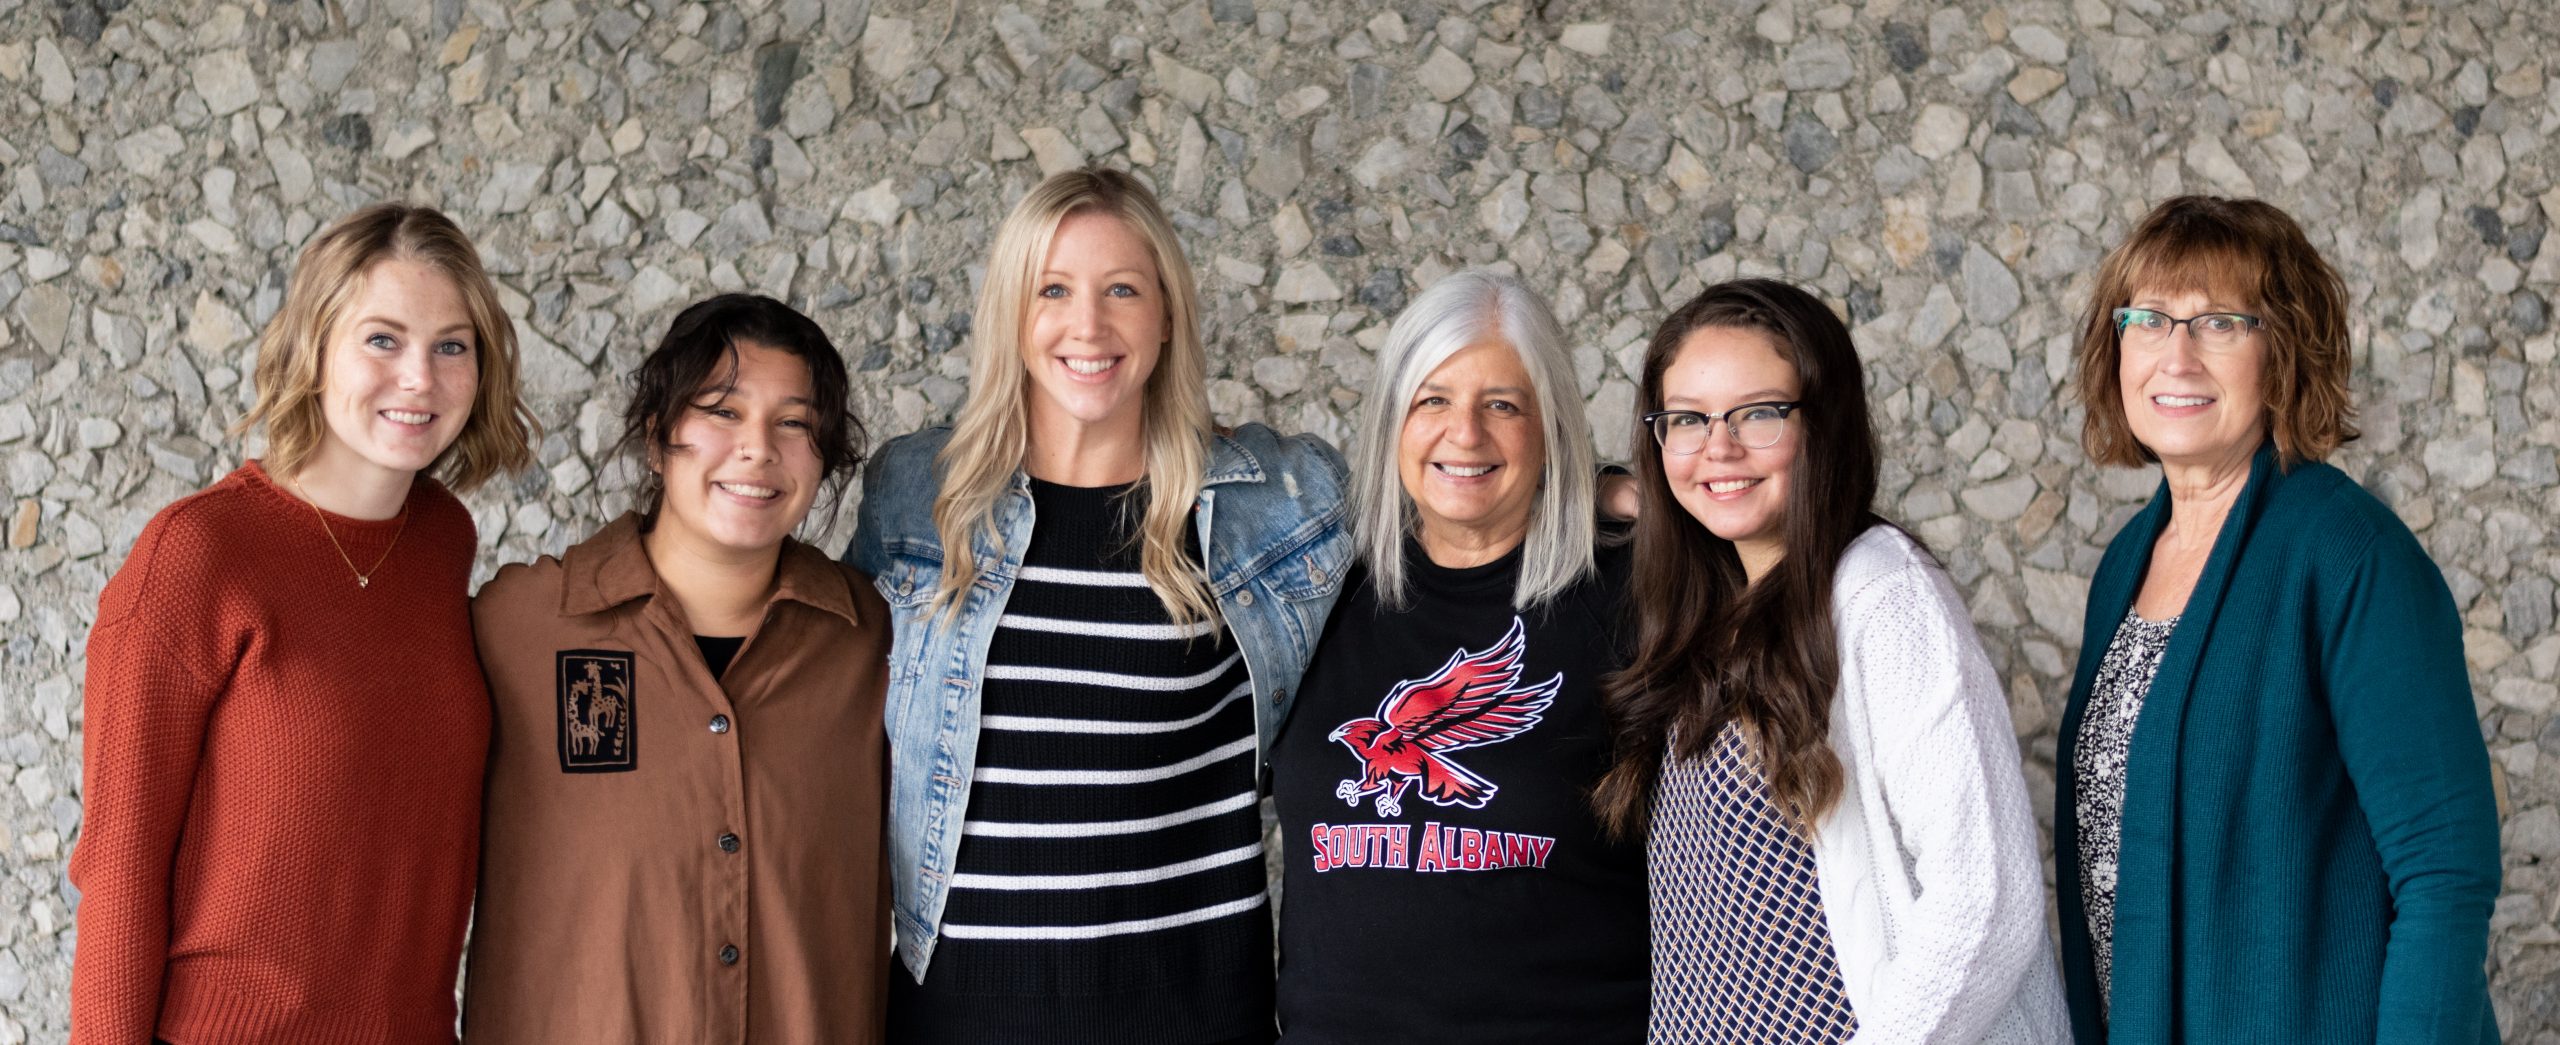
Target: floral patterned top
{"points": [[2106, 739]]}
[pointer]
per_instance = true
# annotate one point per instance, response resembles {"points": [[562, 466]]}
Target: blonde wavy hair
{"points": [[498, 437], [992, 433]]}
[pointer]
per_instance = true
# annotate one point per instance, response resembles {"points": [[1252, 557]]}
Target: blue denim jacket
{"points": [[1273, 532]]}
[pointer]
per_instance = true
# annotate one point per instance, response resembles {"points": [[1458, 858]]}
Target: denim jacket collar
{"points": [[1230, 462]]}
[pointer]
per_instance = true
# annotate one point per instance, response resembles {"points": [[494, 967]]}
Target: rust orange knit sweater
{"points": [[283, 776]]}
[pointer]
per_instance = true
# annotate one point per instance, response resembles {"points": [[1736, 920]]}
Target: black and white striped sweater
{"points": [[1109, 884]]}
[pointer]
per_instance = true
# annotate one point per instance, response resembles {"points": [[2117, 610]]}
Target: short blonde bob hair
{"points": [[498, 435], [993, 431], [2249, 252]]}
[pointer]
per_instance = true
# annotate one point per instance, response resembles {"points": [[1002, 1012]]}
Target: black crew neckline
{"points": [[1044, 486], [1502, 574]]}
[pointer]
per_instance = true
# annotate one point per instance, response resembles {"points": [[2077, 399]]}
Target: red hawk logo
{"points": [[1473, 699]]}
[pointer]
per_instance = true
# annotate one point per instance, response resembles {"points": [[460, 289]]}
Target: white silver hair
{"points": [[1464, 309]]}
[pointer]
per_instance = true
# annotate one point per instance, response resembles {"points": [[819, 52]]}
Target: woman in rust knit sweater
{"points": [[286, 721]]}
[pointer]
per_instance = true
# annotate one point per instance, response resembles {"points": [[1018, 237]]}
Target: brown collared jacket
{"points": [[666, 857]]}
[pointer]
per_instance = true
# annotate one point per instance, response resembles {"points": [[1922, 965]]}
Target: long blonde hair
{"points": [[992, 433]]}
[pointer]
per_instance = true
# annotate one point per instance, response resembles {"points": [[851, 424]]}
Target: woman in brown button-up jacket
{"points": [[682, 838]]}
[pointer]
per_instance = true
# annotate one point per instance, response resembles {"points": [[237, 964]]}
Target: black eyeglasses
{"points": [[1758, 426]]}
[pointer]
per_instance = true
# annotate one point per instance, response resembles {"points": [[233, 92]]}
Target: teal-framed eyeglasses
{"points": [[2151, 327]]}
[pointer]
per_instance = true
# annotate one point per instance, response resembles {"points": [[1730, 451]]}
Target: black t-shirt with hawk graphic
{"points": [[1444, 877]]}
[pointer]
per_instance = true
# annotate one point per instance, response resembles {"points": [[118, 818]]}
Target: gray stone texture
{"points": [[1947, 177]]}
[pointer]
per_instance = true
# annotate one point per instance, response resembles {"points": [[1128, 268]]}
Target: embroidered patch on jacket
{"points": [[598, 724]]}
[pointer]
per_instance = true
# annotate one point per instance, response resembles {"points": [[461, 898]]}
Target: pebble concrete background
{"points": [[1947, 176]]}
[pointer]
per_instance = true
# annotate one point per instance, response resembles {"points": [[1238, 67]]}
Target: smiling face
{"points": [[2188, 403], [1096, 325], [746, 468], [1473, 449], [397, 376], [1736, 492]]}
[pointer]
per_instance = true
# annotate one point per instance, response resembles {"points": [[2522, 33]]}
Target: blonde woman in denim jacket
{"points": [[1103, 603]]}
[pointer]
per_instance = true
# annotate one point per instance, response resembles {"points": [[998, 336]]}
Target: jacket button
{"points": [[1315, 574], [719, 723], [728, 955], [1244, 598], [728, 843], [1279, 695]]}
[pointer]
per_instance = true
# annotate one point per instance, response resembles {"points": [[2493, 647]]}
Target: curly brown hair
{"points": [[2243, 249], [696, 364]]}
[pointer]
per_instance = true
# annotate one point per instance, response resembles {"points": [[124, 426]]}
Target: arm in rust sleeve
{"points": [[158, 662]]}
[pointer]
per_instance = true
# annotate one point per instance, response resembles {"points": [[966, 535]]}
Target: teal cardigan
{"points": [[2310, 846]]}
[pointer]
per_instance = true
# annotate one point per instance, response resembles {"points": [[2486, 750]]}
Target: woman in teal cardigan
{"points": [[2275, 821]]}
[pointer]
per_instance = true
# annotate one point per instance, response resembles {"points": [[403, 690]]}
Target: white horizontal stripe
{"points": [[1111, 679], [1221, 753], [1023, 882], [1106, 629], [1087, 578], [1038, 724], [1002, 829], [1096, 932]]}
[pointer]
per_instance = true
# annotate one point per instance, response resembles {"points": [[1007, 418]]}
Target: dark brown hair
{"points": [[695, 364], [498, 436], [1710, 646], [2246, 250]]}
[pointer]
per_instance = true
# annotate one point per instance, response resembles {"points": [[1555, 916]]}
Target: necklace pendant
{"points": [[363, 581]]}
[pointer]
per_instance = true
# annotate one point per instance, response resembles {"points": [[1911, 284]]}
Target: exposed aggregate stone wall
{"points": [[1948, 176]]}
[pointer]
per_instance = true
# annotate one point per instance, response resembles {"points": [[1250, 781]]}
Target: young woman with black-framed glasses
{"points": [[1809, 735]]}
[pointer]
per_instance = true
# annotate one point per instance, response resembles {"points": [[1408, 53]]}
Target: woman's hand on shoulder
{"points": [[1621, 500]]}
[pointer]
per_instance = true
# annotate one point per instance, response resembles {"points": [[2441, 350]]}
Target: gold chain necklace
{"points": [[364, 578]]}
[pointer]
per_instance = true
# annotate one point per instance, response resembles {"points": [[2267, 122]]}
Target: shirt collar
{"points": [[613, 567]]}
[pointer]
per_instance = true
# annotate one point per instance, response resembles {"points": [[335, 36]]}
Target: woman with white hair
{"points": [[1445, 877], [1103, 603]]}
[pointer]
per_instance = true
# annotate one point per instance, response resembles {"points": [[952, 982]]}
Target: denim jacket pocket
{"points": [[1307, 581], [908, 586], [1314, 571], [908, 583]]}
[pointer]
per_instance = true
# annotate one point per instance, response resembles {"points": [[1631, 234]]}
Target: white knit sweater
{"points": [[1931, 880]]}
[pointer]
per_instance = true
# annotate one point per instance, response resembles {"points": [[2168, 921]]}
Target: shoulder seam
{"points": [[1891, 543], [1873, 587], [144, 585], [182, 511]]}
